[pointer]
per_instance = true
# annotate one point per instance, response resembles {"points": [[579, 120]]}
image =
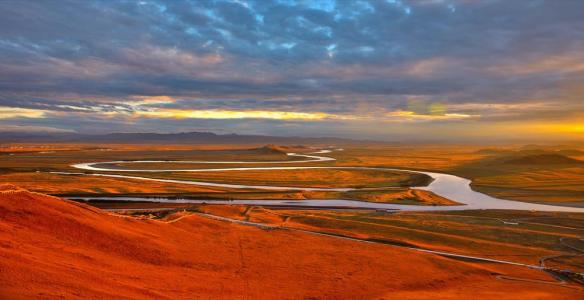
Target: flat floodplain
{"points": [[504, 172]]}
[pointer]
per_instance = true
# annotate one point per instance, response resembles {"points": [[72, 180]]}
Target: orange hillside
{"points": [[52, 248]]}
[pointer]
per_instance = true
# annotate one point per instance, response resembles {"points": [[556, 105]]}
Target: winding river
{"points": [[445, 185]]}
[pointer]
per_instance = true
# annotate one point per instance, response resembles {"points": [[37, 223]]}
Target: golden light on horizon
{"points": [[537, 129], [413, 116], [12, 112], [232, 114], [569, 128]]}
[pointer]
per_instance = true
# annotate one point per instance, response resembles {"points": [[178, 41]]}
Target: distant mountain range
{"points": [[178, 138]]}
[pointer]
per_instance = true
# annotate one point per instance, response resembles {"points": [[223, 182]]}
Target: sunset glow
{"points": [[291, 149]]}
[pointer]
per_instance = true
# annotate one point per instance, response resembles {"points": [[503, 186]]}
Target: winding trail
{"points": [[445, 185]]}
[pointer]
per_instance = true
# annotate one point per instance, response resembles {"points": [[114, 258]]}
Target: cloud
{"points": [[28, 128], [555, 63], [410, 116], [347, 61]]}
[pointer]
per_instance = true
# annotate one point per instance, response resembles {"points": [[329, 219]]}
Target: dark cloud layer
{"points": [[361, 60]]}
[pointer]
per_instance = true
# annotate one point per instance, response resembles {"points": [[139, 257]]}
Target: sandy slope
{"points": [[51, 248]]}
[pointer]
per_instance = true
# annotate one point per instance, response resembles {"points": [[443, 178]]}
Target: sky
{"points": [[393, 70]]}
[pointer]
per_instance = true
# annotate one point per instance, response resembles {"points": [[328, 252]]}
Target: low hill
{"points": [[272, 149], [571, 152], [492, 151], [531, 151], [543, 159], [53, 248], [283, 149]]}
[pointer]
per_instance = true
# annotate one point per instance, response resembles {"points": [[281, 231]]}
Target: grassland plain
{"points": [[327, 178], [525, 237], [494, 171]]}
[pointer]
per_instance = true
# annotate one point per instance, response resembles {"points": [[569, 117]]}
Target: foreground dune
{"points": [[51, 248]]}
